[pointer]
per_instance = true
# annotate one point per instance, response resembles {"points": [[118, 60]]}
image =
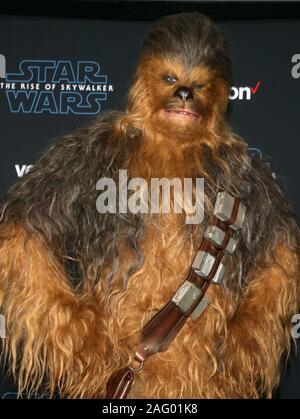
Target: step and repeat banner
{"points": [[57, 74]]}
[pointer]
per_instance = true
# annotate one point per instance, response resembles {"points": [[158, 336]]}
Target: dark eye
{"points": [[197, 86], [170, 79]]}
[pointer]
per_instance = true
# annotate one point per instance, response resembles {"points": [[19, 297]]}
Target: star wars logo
{"points": [[54, 87], [296, 66]]}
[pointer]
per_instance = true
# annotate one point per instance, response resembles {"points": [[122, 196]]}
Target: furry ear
{"points": [[139, 106], [222, 91]]}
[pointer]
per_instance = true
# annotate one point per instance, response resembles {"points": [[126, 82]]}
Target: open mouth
{"points": [[182, 114]]}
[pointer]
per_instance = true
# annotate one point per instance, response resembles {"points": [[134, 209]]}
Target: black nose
{"points": [[184, 93]]}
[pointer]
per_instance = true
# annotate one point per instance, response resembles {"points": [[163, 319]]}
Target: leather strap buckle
{"points": [[136, 365]]}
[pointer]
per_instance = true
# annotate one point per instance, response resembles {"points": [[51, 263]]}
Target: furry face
{"points": [[76, 287], [181, 101], [182, 82]]}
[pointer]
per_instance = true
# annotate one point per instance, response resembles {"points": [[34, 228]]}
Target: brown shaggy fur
{"points": [[76, 286]]}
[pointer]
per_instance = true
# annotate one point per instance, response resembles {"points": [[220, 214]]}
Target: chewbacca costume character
{"points": [[77, 286]]}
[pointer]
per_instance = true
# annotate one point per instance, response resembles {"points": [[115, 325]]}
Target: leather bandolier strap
{"points": [[220, 238]]}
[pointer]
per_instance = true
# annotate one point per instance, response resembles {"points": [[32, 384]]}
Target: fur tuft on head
{"points": [[193, 38]]}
